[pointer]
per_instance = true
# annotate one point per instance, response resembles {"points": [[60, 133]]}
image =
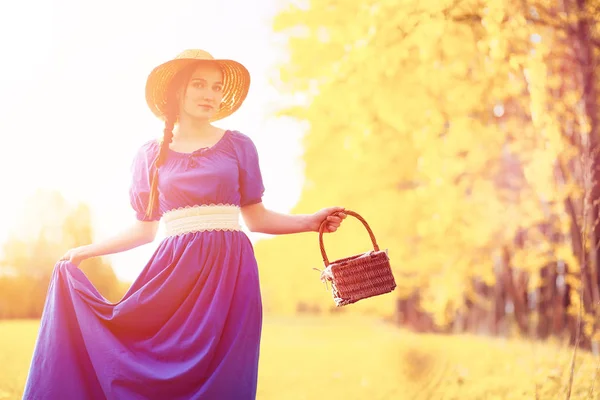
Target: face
{"points": [[201, 98]]}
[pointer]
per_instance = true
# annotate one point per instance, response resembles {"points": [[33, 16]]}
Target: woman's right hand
{"points": [[75, 255]]}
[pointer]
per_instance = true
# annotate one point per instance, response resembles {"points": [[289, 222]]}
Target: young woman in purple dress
{"points": [[190, 325]]}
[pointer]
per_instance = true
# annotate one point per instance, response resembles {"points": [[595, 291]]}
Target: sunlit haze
{"points": [[72, 108]]}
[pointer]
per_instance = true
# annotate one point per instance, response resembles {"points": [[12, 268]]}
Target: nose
{"points": [[208, 96]]}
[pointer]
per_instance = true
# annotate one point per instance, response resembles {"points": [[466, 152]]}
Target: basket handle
{"points": [[355, 215]]}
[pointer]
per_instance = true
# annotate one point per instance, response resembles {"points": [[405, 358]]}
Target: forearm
{"points": [[274, 223], [138, 234]]}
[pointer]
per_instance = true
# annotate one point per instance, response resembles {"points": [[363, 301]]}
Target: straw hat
{"points": [[236, 82]]}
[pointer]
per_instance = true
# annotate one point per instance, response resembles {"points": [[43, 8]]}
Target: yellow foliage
{"points": [[438, 121]]}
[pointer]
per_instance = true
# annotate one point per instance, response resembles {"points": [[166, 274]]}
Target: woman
{"points": [[189, 327]]}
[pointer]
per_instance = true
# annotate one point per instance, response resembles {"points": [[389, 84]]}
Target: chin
{"points": [[202, 116]]}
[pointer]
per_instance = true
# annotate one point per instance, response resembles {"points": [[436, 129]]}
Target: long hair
{"points": [[178, 82]]}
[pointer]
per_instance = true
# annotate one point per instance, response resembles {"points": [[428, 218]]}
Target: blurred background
{"points": [[465, 132]]}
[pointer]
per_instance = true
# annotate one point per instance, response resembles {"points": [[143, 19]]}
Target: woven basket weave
{"points": [[360, 276]]}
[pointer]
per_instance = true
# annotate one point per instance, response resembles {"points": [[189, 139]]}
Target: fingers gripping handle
{"points": [[355, 215]]}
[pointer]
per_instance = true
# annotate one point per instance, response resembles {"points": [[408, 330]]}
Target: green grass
{"points": [[347, 358], [17, 339]]}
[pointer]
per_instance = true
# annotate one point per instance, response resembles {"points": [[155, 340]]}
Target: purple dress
{"points": [[189, 327]]}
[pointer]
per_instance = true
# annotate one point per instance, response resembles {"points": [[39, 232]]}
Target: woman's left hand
{"points": [[75, 256], [333, 221]]}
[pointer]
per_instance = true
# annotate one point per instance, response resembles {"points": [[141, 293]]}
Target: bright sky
{"points": [[72, 108]]}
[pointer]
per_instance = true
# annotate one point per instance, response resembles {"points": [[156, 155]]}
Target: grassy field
{"points": [[357, 358]]}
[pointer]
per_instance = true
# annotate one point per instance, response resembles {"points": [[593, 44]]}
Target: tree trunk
{"points": [[559, 301], [515, 294], [546, 291], [587, 59], [499, 316]]}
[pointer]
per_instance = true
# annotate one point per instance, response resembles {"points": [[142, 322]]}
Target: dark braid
{"points": [[167, 138], [171, 116]]}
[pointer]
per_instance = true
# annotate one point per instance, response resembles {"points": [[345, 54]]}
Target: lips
{"points": [[205, 106]]}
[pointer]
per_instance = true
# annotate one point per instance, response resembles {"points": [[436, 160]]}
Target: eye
{"points": [[219, 88], [198, 84]]}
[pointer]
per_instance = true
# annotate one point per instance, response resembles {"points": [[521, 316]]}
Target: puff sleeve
{"points": [[250, 177], [139, 189]]}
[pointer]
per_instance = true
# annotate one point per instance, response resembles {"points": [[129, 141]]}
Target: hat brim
{"points": [[236, 83]]}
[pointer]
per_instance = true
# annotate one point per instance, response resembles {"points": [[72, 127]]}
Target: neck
{"points": [[188, 128]]}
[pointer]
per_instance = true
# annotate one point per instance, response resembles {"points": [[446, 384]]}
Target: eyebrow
{"points": [[204, 80]]}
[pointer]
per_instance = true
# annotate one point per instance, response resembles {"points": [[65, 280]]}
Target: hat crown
{"points": [[196, 54]]}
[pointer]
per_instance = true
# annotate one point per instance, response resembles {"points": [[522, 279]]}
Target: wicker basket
{"points": [[360, 276]]}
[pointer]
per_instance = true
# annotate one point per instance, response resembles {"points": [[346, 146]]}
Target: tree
{"points": [[48, 228], [454, 128]]}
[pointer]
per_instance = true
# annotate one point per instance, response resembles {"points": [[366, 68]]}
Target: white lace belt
{"points": [[202, 218]]}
